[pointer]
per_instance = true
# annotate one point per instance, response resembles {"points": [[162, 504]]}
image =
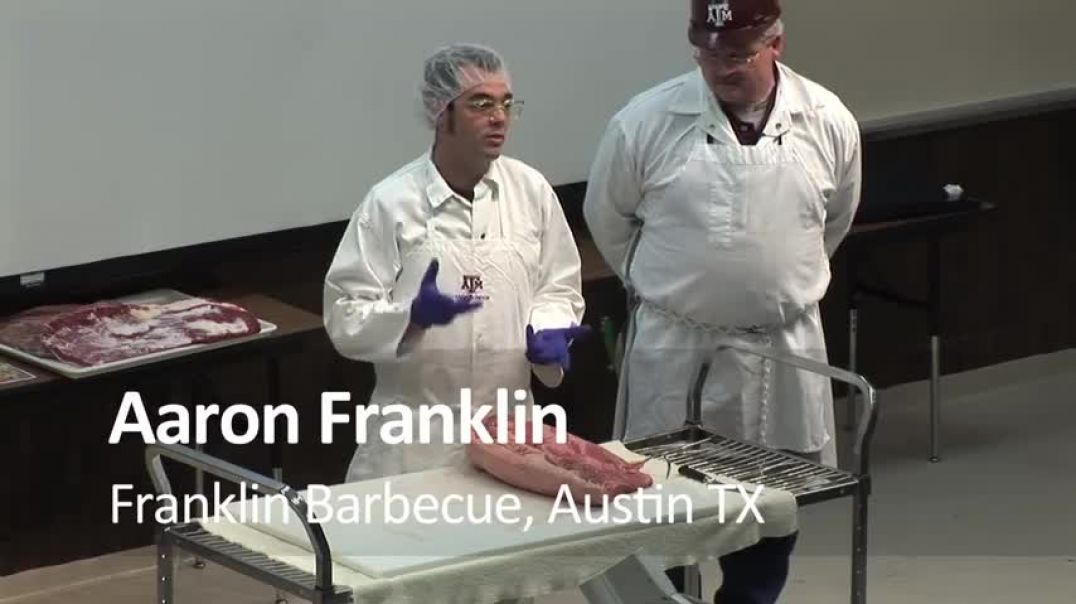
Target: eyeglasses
{"points": [[487, 106], [732, 58]]}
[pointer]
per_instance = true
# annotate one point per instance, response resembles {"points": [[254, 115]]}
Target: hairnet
{"points": [[452, 70]]}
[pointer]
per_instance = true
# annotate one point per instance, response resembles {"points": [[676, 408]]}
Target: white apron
{"points": [[484, 350], [735, 243]]}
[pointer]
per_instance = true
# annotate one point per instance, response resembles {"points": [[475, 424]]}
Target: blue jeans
{"points": [[753, 575]]}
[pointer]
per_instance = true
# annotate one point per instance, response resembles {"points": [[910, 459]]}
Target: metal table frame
{"points": [[929, 228], [704, 455], [317, 588]]}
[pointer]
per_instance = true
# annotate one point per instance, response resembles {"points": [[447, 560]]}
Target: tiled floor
{"points": [[992, 524]]}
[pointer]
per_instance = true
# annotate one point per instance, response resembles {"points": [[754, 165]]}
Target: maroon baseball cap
{"points": [[715, 22]]}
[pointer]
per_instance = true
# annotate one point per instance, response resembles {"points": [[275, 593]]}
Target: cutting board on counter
{"points": [[377, 544]]}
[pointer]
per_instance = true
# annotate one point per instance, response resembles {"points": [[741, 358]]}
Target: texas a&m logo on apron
{"points": [[472, 285]]}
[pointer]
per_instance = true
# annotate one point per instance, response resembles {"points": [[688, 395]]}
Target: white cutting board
{"points": [[377, 548]]}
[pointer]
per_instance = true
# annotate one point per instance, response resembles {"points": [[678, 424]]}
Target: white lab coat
{"points": [[724, 242], [510, 247]]}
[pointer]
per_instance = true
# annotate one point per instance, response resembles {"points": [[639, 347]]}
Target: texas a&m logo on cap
{"points": [[718, 13], [713, 22]]}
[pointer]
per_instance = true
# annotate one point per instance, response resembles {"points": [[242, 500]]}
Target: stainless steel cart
{"points": [[705, 456], [699, 454]]}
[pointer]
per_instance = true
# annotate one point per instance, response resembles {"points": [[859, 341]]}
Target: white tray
{"points": [[157, 296]]}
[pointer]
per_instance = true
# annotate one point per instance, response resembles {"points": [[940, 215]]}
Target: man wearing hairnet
{"points": [[458, 271], [718, 197]]}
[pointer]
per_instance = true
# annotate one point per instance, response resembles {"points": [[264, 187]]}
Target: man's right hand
{"points": [[431, 307]]}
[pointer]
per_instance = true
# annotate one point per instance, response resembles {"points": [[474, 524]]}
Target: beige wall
{"points": [[896, 60]]}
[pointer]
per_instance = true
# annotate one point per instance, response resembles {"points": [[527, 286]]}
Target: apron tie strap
{"points": [[752, 331], [761, 334]]}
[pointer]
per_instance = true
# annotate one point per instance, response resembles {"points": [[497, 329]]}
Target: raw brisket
{"points": [[586, 468], [112, 331], [23, 331]]}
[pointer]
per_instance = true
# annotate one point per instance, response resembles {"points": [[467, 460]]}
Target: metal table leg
{"points": [[634, 581], [199, 488], [859, 545], [935, 398], [934, 302], [853, 331], [693, 581], [276, 448], [166, 571], [191, 398]]}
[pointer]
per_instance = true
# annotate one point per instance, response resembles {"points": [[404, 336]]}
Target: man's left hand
{"points": [[550, 346]]}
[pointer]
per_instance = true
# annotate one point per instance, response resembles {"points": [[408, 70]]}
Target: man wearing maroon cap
{"points": [[718, 197]]}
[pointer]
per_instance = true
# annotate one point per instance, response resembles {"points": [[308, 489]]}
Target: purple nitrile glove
{"points": [[550, 346], [431, 307]]}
